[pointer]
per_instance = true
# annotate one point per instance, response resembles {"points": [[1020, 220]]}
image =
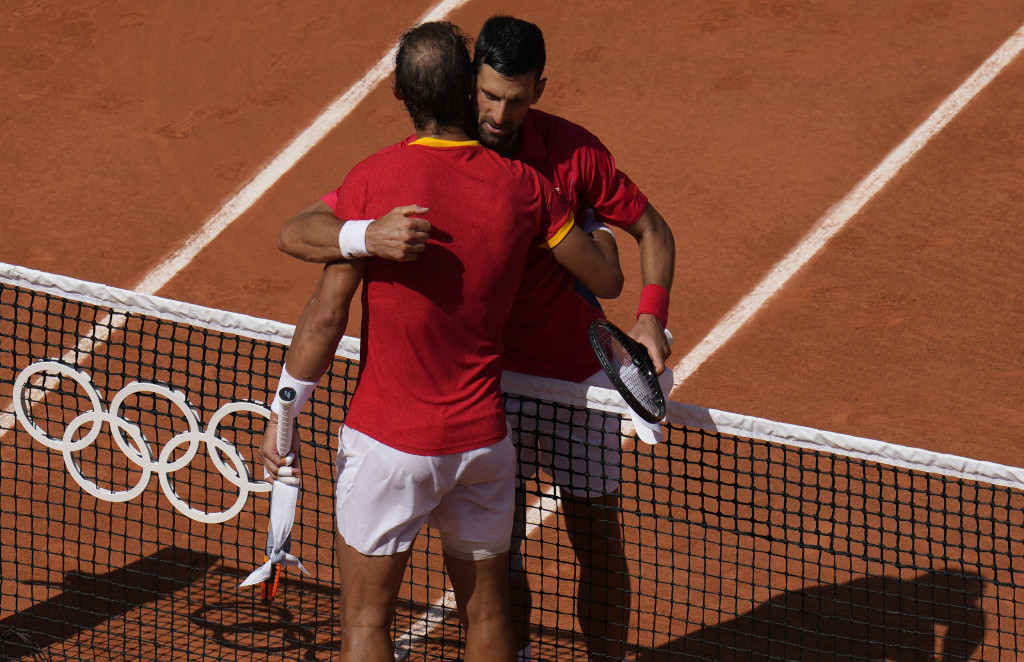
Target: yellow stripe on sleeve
{"points": [[562, 231]]}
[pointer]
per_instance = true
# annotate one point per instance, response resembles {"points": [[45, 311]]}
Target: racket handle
{"points": [[285, 400], [668, 337]]}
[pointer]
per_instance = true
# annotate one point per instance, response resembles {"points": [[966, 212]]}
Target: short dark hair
{"points": [[510, 46], [434, 75]]}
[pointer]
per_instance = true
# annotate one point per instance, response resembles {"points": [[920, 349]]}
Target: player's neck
{"points": [[509, 149], [452, 133]]}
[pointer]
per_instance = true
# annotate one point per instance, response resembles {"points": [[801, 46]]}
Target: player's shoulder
{"points": [[382, 159], [392, 150], [523, 172], [560, 132]]}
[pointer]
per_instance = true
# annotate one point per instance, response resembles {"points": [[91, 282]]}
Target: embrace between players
{"points": [[486, 253]]}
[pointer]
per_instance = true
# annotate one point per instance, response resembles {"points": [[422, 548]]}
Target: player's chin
{"points": [[492, 140]]}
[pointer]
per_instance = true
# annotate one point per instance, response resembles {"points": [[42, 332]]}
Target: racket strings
{"points": [[642, 384]]}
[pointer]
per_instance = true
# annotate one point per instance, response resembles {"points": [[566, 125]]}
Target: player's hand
{"points": [[398, 235], [649, 332], [286, 469]]}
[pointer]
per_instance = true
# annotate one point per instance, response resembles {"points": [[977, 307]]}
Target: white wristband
{"points": [[352, 239], [302, 392]]}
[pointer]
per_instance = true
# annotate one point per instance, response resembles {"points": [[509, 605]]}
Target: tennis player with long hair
{"points": [[426, 439]]}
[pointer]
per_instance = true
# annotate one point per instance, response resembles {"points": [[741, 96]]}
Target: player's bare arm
{"points": [[318, 331], [657, 265], [322, 322], [312, 235], [591, 261]]}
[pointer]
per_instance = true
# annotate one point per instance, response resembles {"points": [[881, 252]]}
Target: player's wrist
{"points": [[654, 301], [352, 239], [303, 391]]}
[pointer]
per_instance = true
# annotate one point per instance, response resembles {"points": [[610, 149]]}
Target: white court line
{"points": [[838, 216], [333, 115]]}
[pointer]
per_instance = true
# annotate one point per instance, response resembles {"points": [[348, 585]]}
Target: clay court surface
{"points": [[126, 127]]}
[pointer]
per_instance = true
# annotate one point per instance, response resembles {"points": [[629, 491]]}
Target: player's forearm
{"points": [[312, 235], [657, 267], [657, 248], [315, 235], [317, 334], [313, 347], [310, 355], [322, 322]]}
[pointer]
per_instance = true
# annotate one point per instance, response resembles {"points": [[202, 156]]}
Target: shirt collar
{"points": [[428, 141]]}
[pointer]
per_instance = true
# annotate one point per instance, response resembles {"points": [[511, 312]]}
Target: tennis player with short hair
{"points": [[425, 439], [546, 334]]}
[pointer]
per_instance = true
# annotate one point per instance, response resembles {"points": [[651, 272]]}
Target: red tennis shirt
{"points": [[547, 330], [429, 380]]}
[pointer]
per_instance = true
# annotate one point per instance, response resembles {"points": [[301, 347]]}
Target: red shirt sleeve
{"points": [[608, 191], [555, 215], [350, 200], [332, 200]]}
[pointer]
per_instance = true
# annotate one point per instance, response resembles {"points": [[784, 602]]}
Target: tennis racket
{"points": [[286, 399], [630, 369]]}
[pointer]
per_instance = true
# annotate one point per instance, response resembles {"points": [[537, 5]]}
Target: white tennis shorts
{"points": [[579, 449], [385, 496]]}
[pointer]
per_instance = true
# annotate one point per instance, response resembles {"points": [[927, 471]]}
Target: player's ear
{"points": [[394, 88], [538, 90]]}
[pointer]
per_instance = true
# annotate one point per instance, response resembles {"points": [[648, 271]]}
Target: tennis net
{"points": [[130, 513]]}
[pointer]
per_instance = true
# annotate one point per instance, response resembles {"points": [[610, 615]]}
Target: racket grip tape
{"points": [[286, 402]]}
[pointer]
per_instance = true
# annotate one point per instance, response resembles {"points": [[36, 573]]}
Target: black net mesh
{"points": [[130, 515]]}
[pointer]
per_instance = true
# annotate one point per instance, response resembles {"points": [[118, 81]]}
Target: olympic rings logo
{"points": [[129, 438]]}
